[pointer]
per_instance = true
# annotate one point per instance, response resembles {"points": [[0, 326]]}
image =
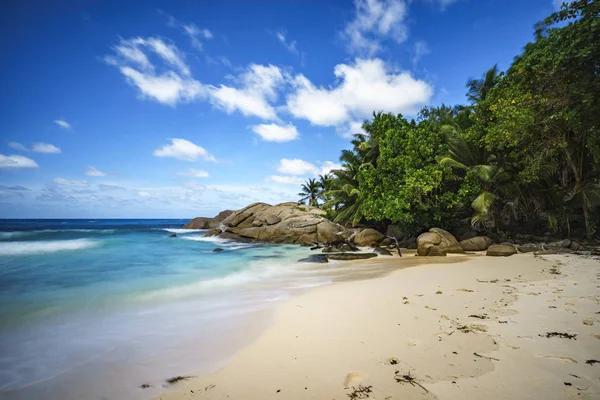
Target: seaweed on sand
{"points": [[178, 378], [408, 378], [561, 335], [360, 392]]}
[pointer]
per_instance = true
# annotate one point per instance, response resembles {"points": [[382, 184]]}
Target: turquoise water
{"points": [[94, 308]]}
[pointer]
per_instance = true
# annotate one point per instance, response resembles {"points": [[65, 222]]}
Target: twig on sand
{"points": [[592, 362], [480, 316], [408, 378], [489, 358]]}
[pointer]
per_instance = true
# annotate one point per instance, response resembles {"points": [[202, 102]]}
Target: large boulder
{"points": [[208, 223], [478, 243], [368, 237], [281, 223], [501, 250], [395, 231], [437, 237]]}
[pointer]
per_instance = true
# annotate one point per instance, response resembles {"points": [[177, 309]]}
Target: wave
{"points": [[210, 239], [40, 247], [182, 231]]}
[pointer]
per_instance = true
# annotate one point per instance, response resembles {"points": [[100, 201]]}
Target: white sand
{"points": [[336, 339]]}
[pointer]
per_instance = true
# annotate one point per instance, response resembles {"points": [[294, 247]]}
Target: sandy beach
{"points": [[473, 329]]}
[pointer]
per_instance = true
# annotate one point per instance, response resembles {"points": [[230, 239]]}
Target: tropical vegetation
{"points": [[522, 156]]}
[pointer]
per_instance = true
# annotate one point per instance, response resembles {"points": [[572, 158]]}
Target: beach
{"points": [[474, 327]]}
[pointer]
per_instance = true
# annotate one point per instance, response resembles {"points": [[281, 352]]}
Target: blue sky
{"points": [[177, 109]]}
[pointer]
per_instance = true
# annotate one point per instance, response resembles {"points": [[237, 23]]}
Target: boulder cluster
{"points": [[295, 223]]}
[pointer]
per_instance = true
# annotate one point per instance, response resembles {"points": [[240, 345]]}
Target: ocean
{"points": [[93, 309]]}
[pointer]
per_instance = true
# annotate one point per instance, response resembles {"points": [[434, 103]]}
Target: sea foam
{"points": [[181, 231], [39, 247]]}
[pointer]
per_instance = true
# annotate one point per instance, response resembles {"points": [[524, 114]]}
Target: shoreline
{"points": [[373, 336]]}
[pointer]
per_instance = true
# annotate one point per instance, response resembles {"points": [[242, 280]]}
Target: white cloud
{"points": [[45, 148], [251, 94], [257, 86], [93, 171], [65, 182], [144, 194], [328, 166], [350, 129], [17, 146], [421, 49], [195, 173], [286, 180], [196, 33], [62, 123], [184, 150], [14, 161], [296, 166], [275, 132], [170, 87], [558, 3], [290, 46], [374, 21], [364, 87]]}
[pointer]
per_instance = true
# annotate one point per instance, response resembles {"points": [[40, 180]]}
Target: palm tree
{"points": [[478, 89], [324, 186], [344, 195], [475, 161], [310, 192]]}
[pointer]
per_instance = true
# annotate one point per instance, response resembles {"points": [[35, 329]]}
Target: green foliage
{"points": [[523, 154]]}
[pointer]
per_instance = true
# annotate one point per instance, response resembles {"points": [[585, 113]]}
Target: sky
{"points": [[155, 109]]}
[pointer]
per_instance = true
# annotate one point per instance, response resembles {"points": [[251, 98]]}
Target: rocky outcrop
{"points": [[368, 237], [281, 223], [350, 256], [501, 250], [208, 223], [315, 258], [440, 238], [477, 243]]}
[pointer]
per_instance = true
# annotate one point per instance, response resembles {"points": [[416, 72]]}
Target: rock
{"points": [[208, 223], [436, 251], [501, 250], [217, 250], [561, 244], [437, 237], [387, 242], [449, 243], [381, 251], [426, 241], [350, 256], [410, 243], [282, 223], [576, 246], [529, 248], [213, 232], [557, 250], [477, 243], [395, 232], [470, 234], [315, 258], [173, 235], [368, 237], [328, 249], [272, 219]]}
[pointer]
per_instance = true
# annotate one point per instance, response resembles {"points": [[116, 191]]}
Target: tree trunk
{"points": [[586, 217]]}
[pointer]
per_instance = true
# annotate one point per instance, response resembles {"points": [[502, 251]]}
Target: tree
{"points": [[310, 192]]}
